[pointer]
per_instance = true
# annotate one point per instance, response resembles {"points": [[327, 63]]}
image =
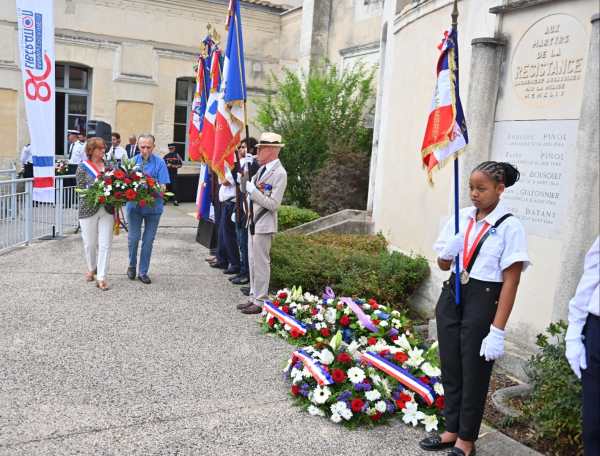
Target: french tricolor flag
{"points": [[401, 375], [207, 141], [314, 367], [43, 178], [284, 318], [446, 135]]}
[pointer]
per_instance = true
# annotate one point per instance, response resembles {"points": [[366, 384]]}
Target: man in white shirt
{"points": [[132, 148], [583, 346], [76, 149], [116, 148]]}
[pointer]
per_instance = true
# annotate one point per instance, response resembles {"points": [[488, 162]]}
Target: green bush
{"points": [[554, 408], [350, 264], [289, 217]]}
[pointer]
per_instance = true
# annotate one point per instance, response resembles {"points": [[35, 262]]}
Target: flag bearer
{"points": [[492, 254], [174, 162]]}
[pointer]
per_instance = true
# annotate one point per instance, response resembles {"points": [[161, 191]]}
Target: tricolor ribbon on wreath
{"points": [[401, 375], [285, 318], [364, 319], [316, 370]]}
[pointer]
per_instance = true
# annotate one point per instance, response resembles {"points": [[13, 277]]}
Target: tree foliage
{"points": [[312, 112]]}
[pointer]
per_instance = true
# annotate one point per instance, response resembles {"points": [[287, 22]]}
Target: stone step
{"points": [[339, 223]]}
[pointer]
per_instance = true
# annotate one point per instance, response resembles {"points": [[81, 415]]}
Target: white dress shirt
{"points": [[27, 155], [227, 191], [498, 252], [77, 152], [587, 298], [118, 151], [269, 165]]}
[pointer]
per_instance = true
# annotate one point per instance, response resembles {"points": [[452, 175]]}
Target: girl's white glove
{"points": [[576, 353], [455, 246], [492, 346]]}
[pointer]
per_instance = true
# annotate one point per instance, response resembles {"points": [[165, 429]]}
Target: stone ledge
{"points": [[508, 393]]}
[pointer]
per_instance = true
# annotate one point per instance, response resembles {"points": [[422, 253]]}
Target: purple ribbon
{"points": [[329, 294], [364, 319]]}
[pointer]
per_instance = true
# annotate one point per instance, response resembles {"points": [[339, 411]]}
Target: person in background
{"points": [[174, 162], [82, 139], [27, 161], [136, 215], [76, 149], [132, 148], [583, 346], [116, 150], [97, 224]]}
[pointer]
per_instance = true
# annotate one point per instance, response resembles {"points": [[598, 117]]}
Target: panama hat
{"points": [[270, 140]]}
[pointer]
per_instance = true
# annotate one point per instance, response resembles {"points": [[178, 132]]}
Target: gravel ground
{"points": [[166, 368]]}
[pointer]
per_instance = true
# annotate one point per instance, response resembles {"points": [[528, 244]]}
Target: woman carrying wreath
{"points": [[97, 224]]}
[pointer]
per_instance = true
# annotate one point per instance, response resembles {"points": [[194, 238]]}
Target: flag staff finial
{"points": [[208, 27], [455, 15]]}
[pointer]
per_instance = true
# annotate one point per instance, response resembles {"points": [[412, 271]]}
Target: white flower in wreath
{"points": [[363, 340], [373, 395], [366, 306], [359, 324], [320, 316], [347, 311], [403, 343], [356, 375], [376, 379], [381, 406], [318, 326], [415, 358], [338, 407], [346, 414], [287, 327], [287, 366], [107, 193], [430, 423], [331, 316], [321, 394], [102, 184], [411, 393], [383, 323], [353, 347], [307, 321], [315, 411], [336, 418], [430, 370], [377, 311], [329, 301], [306, 373], [325, 357], [395, 313], [109, 187], [412, 413], [386, 385], [438, 388]]}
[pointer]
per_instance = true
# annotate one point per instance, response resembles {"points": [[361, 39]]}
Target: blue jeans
{"points": [[135, 219], [242, 240]]}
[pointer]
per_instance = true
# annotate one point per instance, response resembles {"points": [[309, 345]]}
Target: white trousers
{"points": [[98, 231]]}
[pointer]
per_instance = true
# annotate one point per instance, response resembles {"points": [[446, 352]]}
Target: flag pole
{"points": [[456, 186], [251, 211]]}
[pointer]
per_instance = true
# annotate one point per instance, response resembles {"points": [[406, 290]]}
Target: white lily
{"points": [[412, 413], [430, 423], [415, 358], [325, 357], [353, 347], [402, 342]]}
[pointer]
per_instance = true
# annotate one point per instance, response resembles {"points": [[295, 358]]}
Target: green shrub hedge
{"points": [[289, 217], [350, 264]]}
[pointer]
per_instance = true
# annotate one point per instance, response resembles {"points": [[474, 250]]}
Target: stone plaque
{"points": [[543, 151], [548, 61]]}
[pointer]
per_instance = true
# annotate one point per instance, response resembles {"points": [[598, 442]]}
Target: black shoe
{"points": [[175, 203], [218, 266], [231, 279], [246, 292], [458, 452], [242, 289], [131, 272], [435, 443], [241, 280], [144, 279], [230, 271]]}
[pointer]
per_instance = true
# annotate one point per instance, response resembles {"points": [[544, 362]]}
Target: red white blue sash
{"points": [[401, 375], [90, 168], [285, 318], [316, 370]]}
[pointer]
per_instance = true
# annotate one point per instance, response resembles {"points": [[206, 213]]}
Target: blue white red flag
{"points": [[230, 119], [207, 141], [446, 135], [284, 318], [204, 198], [408, 380], [314, 367]]}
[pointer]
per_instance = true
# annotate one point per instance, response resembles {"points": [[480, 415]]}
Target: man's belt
{"points": [[228, 201]]}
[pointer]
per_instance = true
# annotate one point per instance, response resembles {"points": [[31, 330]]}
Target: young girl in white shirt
{"points": [[471, 334]]}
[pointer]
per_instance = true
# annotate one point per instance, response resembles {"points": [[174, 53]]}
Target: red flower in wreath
{"points": [[143, 203], [400, 404], [119, 174], [286, 309], [394, 338], [130, 195], [401, 357], [325, 332], [439, 402], [319, 345], [313, 311], [375, 321], [127, 180], [338, 375], [101, 199], [372, 302], [405, 397], [345, 321], [108, 181], [271, 321], [294, 333], [376, 417], [118, 195], [282, 295], [150, 182], [372, 341], [135, 177], [295, 390], [344, 358], [325, 368], [356, 405], [383, 352], [424, 380]]}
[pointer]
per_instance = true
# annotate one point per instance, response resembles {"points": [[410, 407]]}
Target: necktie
{"points": [[262, 172], [71, 151]]}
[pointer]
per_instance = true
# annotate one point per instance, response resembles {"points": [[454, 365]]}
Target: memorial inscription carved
{"points": [[548, 62], [543, 151]]}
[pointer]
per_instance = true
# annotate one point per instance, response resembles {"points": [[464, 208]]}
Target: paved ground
{"points": [[169, 368]]}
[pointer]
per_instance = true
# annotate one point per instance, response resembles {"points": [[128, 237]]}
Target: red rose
{"points": [[394, 338], [376, 417], [405, 397], [295, 390], [108, 181], [143, 203], [282, 295], [372, 301], [338, 375], [400, 357], [400, 404], [271, 321], [127, 181], [130, 194], [345, 321], [276, 303], [101, 199], [106, 170], [286, 309], [366, 381], [383, 352], [118, 195], [424, 380], [150, 182], [325, 368], [294, 333], [319, 345], [119, 174], [439, 402], [135, 177], [344, 358], [325, 332], [372, 341], [356, 405], [313, 311], [375, 321]]}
